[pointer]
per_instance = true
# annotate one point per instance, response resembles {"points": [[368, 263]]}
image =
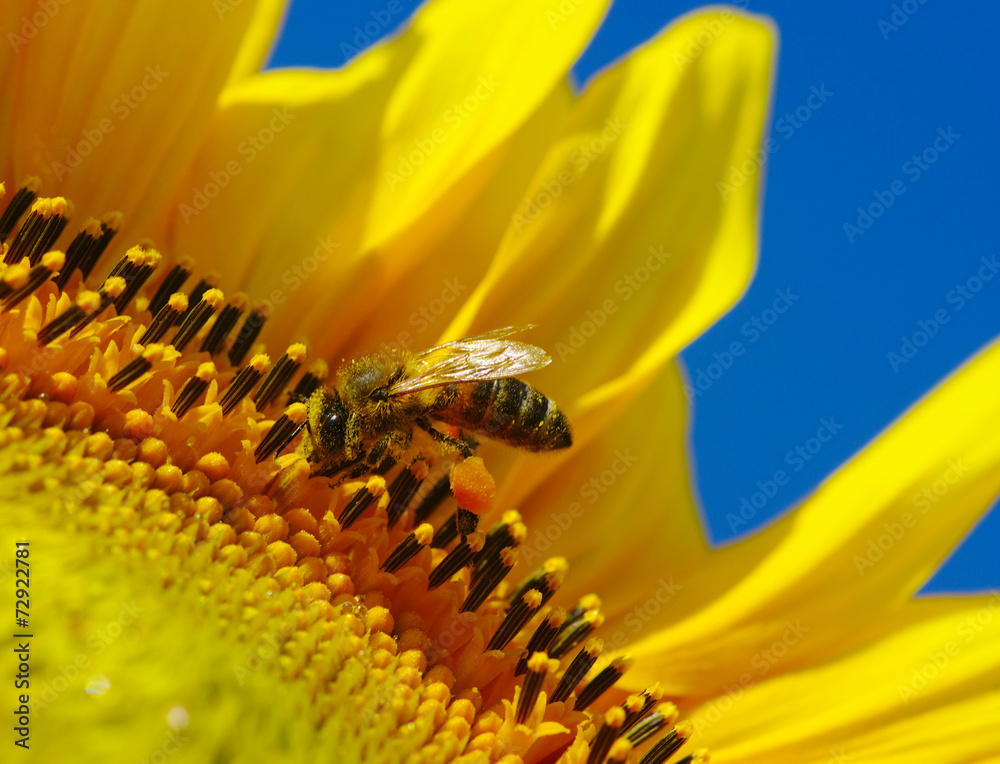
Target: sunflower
{"points": [[183, 587]]}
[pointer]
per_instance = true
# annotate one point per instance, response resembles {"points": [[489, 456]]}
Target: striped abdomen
{"points": [[507, 410]]}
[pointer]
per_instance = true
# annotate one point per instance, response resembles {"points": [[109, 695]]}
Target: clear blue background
{"points": [[827, 356]]}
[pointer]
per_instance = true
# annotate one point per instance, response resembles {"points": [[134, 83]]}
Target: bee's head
{"points": [[327, 422]]}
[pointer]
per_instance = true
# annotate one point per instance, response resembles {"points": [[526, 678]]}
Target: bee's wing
{"points": [[485, 356]]}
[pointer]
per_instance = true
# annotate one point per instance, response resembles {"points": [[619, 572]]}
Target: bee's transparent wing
{"points": [[485, 356]]}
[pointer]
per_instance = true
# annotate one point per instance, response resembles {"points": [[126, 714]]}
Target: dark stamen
{"points": [[652, 725], [455, 560], [44, 224], [516, 617], [196, 317], [600, 683], [408, 548], [668, 745], [193, 388], [164, 318], [279, 375], [198, 293], [173, 282], [135, 368], [245, 381], [402, 490], [224, 324], [601, 744], [86, 303], [20, 202], [432, 500], [638, 705], [357, 506], [538, 667], [446, 533], [38, 275], [110, 290], [570, 636], [542, 637], [136, 277], [504, 534], [312, 379], [246, 336], [582, 662], [495, 572], [88, 244], [109, 227], [282, 432], [546, 579]]}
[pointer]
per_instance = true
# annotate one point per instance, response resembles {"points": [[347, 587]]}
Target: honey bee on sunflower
{"points": [[368, 417]]}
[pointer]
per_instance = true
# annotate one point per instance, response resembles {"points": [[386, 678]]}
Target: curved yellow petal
{"points": [[310, 203], [258, 39], [855, 551], [623, 248], [109, 108], [278, 190], [477, 73], [927, 691], [300, 193]]}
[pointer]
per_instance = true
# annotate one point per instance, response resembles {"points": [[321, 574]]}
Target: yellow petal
{"points": [[259, 37], [108, 108], [477, 73], [300, 201], [623, 248], [854, 552], [925, 692]]}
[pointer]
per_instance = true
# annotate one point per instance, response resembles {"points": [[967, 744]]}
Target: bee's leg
{"points": [[384, 451], [335, 468], [444, 439]]}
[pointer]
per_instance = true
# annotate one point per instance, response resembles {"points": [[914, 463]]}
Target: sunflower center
{"points": [[168, 444]]}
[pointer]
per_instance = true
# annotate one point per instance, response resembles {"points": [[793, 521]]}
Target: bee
{"points": [[366, 420]]}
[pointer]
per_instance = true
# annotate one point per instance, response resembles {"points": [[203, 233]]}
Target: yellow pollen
{"points": [[148, 464], [92, 227], [53, 260]]}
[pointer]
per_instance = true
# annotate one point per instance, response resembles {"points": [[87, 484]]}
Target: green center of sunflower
{"points": [[135, 407]]}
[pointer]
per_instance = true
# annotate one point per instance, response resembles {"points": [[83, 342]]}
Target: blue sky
{"points": [[890, 107]]}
